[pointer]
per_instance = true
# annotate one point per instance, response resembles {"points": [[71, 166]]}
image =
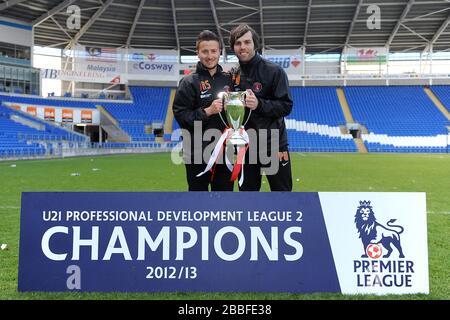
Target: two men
{"points": [[267, 96]]}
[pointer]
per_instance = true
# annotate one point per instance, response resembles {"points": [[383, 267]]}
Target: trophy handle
{"points": [[225, 97], [242, 96], [223, 105]]}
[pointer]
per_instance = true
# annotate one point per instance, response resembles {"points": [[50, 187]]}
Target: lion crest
{"points": [[372, 232]]}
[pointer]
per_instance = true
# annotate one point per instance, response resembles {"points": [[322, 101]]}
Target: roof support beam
{"points": [[445, 50], [261, 21], [9, 4], [441, 29], [412, 48], [216, 21], [62, 29], [438, 33], [238, 5], [417, 34], [52, 12], [91, 21], [136, 18], [175, 24], [323, 51], [55, 45], [426, 15], [399, 22], [308, 16], [239, 19], [352, 24]]}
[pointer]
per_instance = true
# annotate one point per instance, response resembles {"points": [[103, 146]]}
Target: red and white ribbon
{"points": [[217, 150], [239, 165]]}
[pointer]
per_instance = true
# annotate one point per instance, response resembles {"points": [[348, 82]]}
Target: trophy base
{"points": [[236, 141]]}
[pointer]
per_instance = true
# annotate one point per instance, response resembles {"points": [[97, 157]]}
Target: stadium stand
{"points": [[149, 105], [399, 119], [22, 135], [443, 94], [313, 124], [11, 143], [53, 102]]}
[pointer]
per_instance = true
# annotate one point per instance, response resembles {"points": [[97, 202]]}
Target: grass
{"points": [[155, 172]]}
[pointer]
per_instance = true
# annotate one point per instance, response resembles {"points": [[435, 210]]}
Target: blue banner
{"points": [[175, 241]]}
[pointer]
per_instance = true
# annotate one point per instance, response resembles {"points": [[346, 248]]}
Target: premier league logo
{"points": [[374, 236], [377, 268]]}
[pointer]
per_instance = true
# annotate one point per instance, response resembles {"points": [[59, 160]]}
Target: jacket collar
{"points": [[202, 70], [253, 62]]}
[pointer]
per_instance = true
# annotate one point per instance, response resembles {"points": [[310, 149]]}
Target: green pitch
{"points": [[155, 172]]}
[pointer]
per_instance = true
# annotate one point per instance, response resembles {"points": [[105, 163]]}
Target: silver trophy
{"points": [[234, 104]]}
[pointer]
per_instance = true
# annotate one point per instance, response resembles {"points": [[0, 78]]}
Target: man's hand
{"points": [[250, 100], [214, 108]]}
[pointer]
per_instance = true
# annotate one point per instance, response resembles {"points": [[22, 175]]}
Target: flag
{"points": [[116, 80], [101, 54]]}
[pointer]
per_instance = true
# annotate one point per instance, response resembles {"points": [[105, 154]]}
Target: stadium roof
{"points": [[319, 25]]}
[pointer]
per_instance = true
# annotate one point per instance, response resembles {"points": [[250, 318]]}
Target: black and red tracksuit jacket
{"points": [[195, 93], [270, 84]]}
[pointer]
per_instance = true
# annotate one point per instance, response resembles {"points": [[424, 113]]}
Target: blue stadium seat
{"points": [[400, 116], [443, 94], [314, 120]]}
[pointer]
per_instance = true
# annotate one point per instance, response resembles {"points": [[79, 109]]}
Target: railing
{"points": [[48, 137], [22, 153], [21, 62], [74, 149], [374, 79], [371, 76], [133, 145]]}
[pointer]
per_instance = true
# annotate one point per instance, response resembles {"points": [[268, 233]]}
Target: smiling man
{"points": [[269, 100], [196, 101]]}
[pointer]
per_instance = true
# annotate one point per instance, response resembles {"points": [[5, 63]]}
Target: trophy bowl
{"points": [[234, 105]]}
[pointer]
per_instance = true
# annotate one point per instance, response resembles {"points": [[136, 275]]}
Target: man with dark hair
{"points": [[196, 101], [269, 99]]}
